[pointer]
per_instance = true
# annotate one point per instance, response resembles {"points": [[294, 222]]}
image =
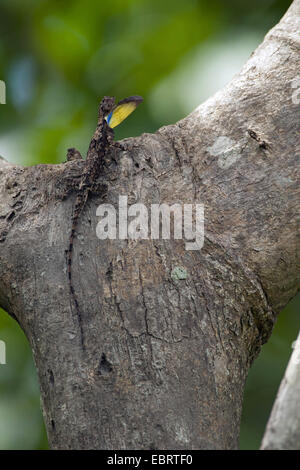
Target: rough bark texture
{"points": [[166, 359], [283, 429]]}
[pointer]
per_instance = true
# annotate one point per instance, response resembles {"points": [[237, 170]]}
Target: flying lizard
{"points": [[110, 115]]}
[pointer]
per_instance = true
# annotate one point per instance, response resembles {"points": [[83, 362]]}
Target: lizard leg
{"points": [[73, 154], [124, 146]]}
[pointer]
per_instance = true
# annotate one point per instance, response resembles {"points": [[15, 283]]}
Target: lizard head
{"points": [[106, 106]]}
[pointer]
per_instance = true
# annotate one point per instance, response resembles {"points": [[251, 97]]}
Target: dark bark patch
{"points": [[262, 143], [105, 366], [109, 272], [3, 236], [11, 215], [51, 376]]}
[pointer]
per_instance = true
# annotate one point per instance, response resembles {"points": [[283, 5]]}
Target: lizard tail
{"points": [[70, 251], [72, 290], [77, 210], [76, 213]]}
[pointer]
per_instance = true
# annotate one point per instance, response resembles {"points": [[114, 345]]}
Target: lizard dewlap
{"points": [[123, 109]]}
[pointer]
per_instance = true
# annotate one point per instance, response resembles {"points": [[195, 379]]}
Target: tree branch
{"points": [[167, 356], [283, 429]]}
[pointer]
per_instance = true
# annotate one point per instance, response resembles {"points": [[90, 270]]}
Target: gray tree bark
{"points": [[166, 355]]}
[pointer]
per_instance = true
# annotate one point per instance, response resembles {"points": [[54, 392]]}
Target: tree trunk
{"points": [[169, 333]]}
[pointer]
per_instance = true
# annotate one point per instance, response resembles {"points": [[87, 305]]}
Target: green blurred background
{"points": [[58, 58]]}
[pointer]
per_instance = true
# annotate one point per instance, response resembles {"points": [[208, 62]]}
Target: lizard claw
{"points": [[122, 146]]}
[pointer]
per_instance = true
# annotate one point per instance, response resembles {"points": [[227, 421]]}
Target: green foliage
{"points": [[21, 422], [58, 59]]}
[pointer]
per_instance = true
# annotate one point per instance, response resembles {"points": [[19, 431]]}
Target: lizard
{"points": [[109, 116]]}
